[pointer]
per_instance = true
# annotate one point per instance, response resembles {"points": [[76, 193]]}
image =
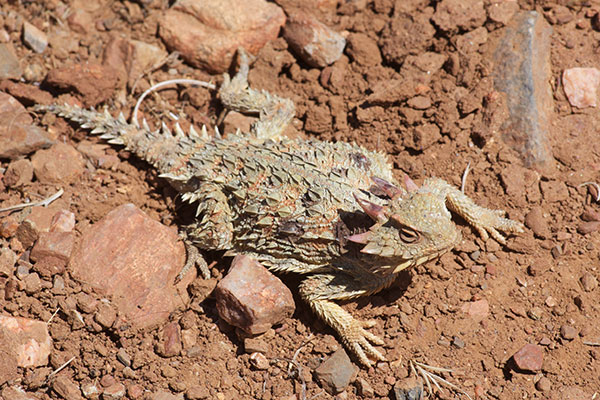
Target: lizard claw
{"points": [[361, 341]]}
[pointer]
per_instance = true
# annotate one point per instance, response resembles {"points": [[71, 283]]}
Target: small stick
{"points": [[60, 368], [52, 317], [463, 181], [44, 202], [134, 117]]}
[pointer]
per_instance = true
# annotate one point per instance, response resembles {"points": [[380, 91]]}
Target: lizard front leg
{"points": [[320, 290], [485, 221]]}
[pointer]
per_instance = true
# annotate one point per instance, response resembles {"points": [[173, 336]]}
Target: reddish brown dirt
{"points": [[532, 285]]}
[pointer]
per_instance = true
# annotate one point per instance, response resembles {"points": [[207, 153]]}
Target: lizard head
{"points": [[415, 226]]}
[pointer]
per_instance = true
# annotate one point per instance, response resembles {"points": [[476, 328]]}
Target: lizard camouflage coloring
{"points": [[330, 211]]}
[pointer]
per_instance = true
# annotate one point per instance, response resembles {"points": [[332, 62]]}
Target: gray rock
{"points": [[34, 38], [522, 71], [336, 373]]}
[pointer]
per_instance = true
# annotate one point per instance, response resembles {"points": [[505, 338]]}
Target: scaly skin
{"points": [[328, 210]]}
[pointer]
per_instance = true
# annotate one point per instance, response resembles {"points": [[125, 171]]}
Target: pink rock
{"points": [[207, 33], [580, 85], [170, 345], [134, 259], [529, 358], [27, 339], [477, 310], [16, 393], [314, 42], [61, 163], [62, 221], [18, 173], [252, 298]]}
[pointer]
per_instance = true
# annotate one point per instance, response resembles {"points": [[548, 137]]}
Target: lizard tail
{"points": [[160, 147]]}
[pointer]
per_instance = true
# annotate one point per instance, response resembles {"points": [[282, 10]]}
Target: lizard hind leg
{"points": [[320, 290], [275, 113]]}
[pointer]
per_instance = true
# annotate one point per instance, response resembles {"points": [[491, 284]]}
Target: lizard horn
{"points": [[388, 188], [375, 211]]}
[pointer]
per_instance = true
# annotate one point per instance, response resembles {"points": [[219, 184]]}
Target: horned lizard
{"points": [[331, 211]]}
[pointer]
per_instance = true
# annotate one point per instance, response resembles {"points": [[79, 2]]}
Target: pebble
{"points": [[33, 283], [502, 11], [529, 358], [61, 163], [22, 138], [16, 393], [458, 342], [408, 389], [522, 62], [10, 67], [62, 221], [134, 260], [252, 298], [253, 345], [34, 38], [477, 310], [364, 388], [18, 173], [53, 244], [536, 221], [363, 50], [336, 372], [455, 15], [312, 41], [106, 315], [66, 388], [8, 259], [114, 392], [123, 357], [568, 332], [580, 86], [171, 344], [259, 361], [543, 385], [588, 282], [208, 33], [24, 341], [90, 390]]}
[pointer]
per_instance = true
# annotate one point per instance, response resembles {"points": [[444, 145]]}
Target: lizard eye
{"points": [[408, 235]]}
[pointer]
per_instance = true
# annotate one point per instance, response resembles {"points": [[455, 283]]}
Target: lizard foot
{"points": [[489, 222]]}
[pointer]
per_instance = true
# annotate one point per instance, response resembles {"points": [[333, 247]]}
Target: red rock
{"points": [[80, 21], [312, 41], [61, 163], [502, 11], [363, 50], [580, 85], [535, 221], [8, 259], [170, 345], [208, 33], [94, 82], [455, 15], [116, 391], [106, 315], [477, 310], [17, 135], [18, 173], [10, 67], [62, 221], [33, 283], [53, 244], [25, 339], [252, 298], [16, 393], [26, 93], [133, 259], [529, 358], [9, 226], [66, 388], [135, 391]]}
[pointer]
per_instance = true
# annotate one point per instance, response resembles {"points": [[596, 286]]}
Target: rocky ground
{"points": [[88, 304]]}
